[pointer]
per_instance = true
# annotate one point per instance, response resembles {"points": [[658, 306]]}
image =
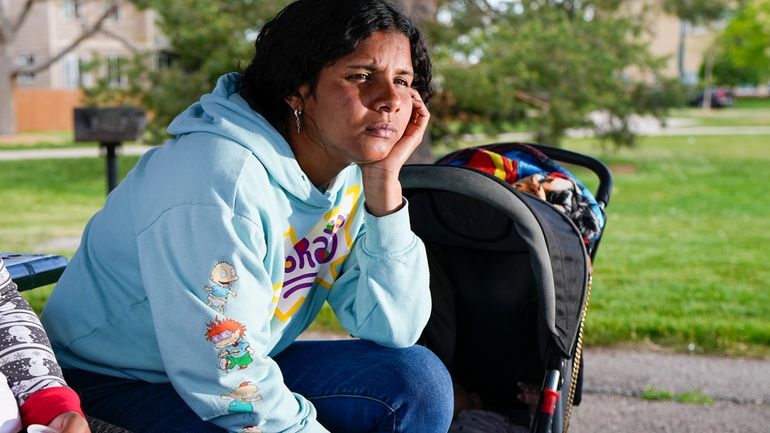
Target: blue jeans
{"points": [[355, 386]]}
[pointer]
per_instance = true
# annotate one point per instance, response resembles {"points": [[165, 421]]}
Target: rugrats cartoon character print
{"points": [[223, 276], [228, 337], [242, 398]]}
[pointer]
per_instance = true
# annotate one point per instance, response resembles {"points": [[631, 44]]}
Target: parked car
{"points": [[720, 98]]}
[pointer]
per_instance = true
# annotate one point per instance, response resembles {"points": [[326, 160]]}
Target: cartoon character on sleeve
{"points": [[228, 337], [223, 275], [242, 398]]}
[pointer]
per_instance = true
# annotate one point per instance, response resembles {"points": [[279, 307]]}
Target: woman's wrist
{"points": [[382, 192]]}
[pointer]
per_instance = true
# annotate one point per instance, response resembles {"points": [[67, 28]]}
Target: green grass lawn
{"points": [[684, 261], [40, 140], [46, 140], [47, 203], [750, 103]]}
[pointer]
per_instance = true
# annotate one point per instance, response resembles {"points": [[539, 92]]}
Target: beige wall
{"points": [[664, 37], [665, 42], [45, 102], [48, 30], [33, 39]]}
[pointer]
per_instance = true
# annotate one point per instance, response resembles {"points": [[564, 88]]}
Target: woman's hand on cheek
{"points": [[382, 189], [412, 137]]}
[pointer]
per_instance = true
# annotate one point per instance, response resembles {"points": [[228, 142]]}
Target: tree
{"points": [[743, 48], [547, 64], [421, 11], [701, 12], [206, 38], [9, 29]]}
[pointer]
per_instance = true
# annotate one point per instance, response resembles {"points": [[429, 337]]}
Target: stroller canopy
{"points": [[475, 215]]}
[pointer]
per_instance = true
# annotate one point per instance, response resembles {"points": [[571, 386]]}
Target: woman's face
{"points": [[362, 102]]}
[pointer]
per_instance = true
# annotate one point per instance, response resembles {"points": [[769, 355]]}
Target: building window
{"points": [[690, 78], [24, 61], [71, 70], [115, 15], [164, 60], [71, 8], [115, 71], [85, 79]]}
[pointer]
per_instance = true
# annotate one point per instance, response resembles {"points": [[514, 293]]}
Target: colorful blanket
{"points": [[529, 170]]}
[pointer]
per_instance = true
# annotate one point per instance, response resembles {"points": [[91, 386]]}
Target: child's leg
{"points": [[358, 386], [529, 394]]}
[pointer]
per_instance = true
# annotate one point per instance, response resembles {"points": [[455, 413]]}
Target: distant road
{"points": [[67, 152], [651, 129]]}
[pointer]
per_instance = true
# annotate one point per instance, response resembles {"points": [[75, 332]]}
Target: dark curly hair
{"points": [[306, 36]]}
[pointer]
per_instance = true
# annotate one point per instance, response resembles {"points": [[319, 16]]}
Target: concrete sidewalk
{"points": [[67, 152], [653, 129], [616, 378]]}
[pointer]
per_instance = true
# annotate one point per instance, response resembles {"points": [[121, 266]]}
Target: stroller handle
{"points": [[604, 190]]}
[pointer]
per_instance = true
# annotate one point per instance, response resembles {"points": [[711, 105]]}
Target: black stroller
{"points": [[510, 279]]}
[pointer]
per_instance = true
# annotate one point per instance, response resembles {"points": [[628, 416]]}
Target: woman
{"points": [[32, 390], [280, 192]]}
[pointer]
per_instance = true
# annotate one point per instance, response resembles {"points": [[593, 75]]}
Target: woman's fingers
{"points": [[415, 129]]}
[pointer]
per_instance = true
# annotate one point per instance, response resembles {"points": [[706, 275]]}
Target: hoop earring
{"points": [[297, 114]]}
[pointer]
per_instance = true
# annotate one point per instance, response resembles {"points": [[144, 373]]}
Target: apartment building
{"points": [[683, 44], [44, 101]]}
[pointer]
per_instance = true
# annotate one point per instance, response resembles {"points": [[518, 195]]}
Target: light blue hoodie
{"points": [[215, 253]]}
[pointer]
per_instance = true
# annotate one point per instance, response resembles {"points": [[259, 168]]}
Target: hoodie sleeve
{"points": [[211, 300], [383, 292]]}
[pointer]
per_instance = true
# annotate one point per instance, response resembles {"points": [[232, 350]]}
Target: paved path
{"points": [[67, 152], [616, 378], [655, 130]]}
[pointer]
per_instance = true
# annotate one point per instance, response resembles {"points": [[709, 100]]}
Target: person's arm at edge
{"points": [[51, 404]]}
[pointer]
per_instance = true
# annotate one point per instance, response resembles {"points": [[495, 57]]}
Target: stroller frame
{"points": [[457, 211]]}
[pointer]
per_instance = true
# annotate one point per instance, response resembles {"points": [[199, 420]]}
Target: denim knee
{"points": [[427, 399]]}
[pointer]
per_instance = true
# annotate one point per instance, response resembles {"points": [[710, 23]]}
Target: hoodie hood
{"points": [[225, 113]]}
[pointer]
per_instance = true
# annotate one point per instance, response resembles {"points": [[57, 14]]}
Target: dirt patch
{"points": [[623, 169]]}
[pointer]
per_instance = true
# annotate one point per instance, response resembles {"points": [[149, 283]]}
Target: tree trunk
{"points": [[420, 11], [7, 106], [708, 77], [681, 50]]}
